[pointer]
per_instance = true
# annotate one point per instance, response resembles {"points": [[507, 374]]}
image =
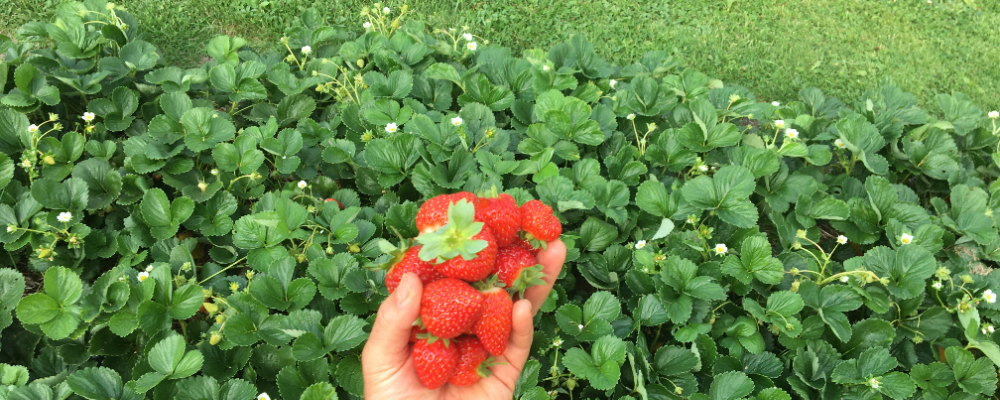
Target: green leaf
{"points": [[96, 383], [975, 376], [71, 194], [907, 269], [897, 386], [730, 386], [37, 308], [755, 262], [674, 360], [726, 193], [652, 197], [319, 391]]}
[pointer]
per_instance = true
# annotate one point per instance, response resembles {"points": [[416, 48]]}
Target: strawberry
{"points": [[518, 269], [493, 327], [329, 199], [538, 223], [476, 269], [501, 215], [416, 333], [433, 213], [407, 260], [472, 362], [449, 307], [435, 361], [527, 246], [463, 248]]}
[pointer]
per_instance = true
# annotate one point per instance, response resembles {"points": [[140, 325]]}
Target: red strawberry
{"points": [[433, 213], [472, 361], [335, 201], [527, 246], [501, 215], [449, 307], [493, 327], [435, 361], [539, 223], [518, 269], [416, 332], [476, 269], [408, 260]]}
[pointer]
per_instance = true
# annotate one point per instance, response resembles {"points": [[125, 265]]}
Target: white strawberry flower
{"points": [[839, 143], [33, 128], [580, 326], [989, 296], [703, 168], [613, 82], [303, 184], [214, 171], [545, 68], [467, 36], [990, 329], [845, 278], [841, 239], [640, 244], [367, 25], [630, 117], [88, 116], [721, 249], [391, 128], [26, 163], [776, 104], [456, 121], [779, 123], [11, 228], [149, 268], [994, 114], [263, 396], [307, 49], [873, 383], [692, 219], [472, 46], [64, 216], [792, 133], [386, 10], [121, 279], [558, 342], [906, 238], [143, 276], [937, 285]]}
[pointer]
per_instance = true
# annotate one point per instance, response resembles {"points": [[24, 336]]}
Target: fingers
{"points": [[518, 346], [552, 259], [388, 345]]}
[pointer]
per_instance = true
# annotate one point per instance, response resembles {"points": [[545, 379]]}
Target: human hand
{"points": [[387, 362]]}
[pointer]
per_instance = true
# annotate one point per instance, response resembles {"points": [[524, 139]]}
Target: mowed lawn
{"points": [[773, 47]]}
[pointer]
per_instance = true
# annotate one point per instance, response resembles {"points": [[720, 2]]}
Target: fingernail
{"points": [[402, 293]]}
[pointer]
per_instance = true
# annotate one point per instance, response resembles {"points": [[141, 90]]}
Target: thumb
{"points": [[388, 345]]}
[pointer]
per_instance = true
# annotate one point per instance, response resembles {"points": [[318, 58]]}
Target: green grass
{"points": [[773, 47]]}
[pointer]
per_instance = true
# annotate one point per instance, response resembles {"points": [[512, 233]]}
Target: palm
{"points": [[405, 385], [387, 362]]}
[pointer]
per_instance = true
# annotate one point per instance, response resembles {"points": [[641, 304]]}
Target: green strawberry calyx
{"points": [[454, 238]]}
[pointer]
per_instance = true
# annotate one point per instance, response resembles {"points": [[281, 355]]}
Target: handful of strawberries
{"points": [[473, 255]]}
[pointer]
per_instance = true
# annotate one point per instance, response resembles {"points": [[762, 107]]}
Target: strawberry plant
{"points": [[228, 231]]}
